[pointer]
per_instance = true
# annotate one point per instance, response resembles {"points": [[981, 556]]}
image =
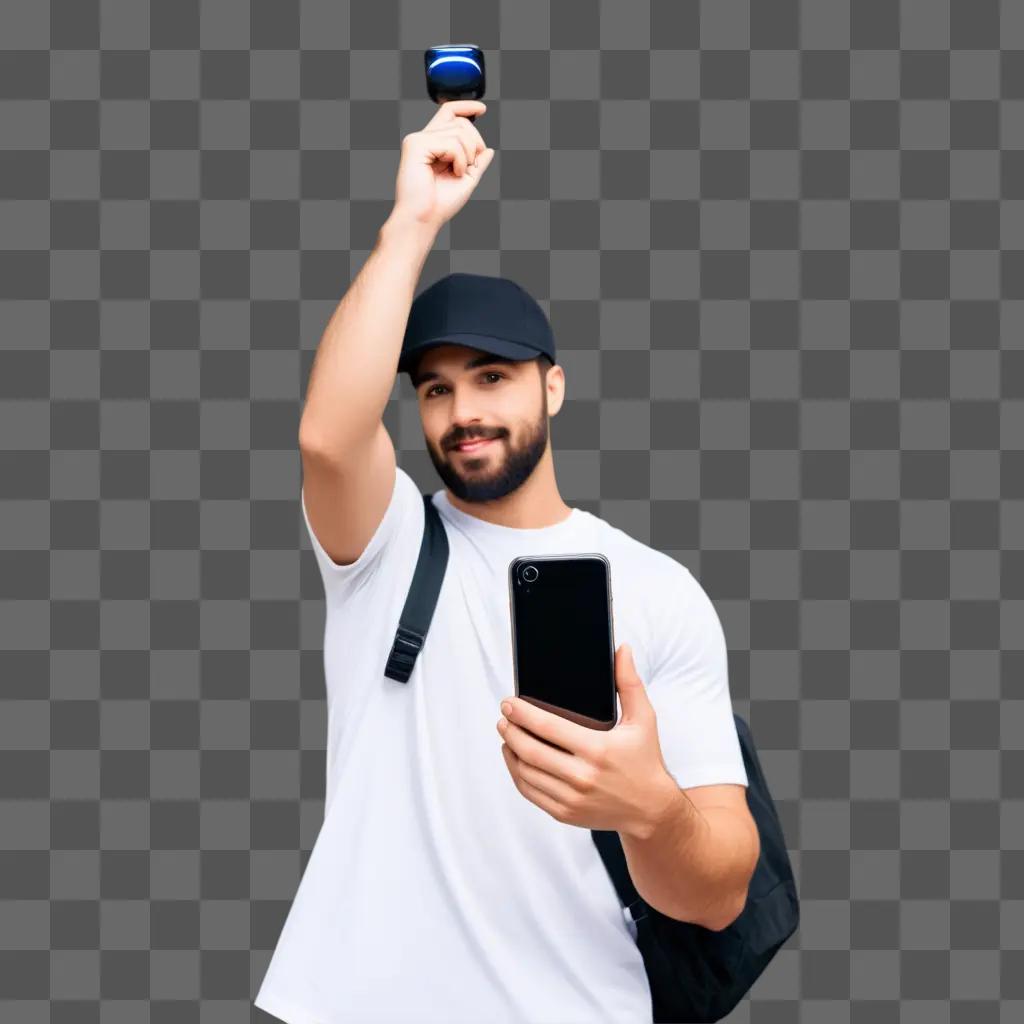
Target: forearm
{"points": [[354, 368], [694, 865]]}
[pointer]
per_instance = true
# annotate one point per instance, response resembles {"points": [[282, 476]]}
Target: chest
{"points": [[474, 614]]}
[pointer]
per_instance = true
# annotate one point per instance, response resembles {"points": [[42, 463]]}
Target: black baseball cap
{"points": [[493, 314]]}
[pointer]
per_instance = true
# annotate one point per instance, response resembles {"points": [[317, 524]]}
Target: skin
{"points": [[510, 482]]}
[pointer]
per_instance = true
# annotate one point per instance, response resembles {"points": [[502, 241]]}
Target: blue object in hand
{"points": [[455, 71]]}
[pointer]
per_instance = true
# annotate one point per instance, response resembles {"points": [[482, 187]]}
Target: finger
{"points": [[469, 154], [542, 755], [464, 132], [543, 801], [512, 763], [474, 140], [449, 147], [466, 154], [557, 790], [576, 739], [510, 760], [479, 165], [451, 109], [532, 792], [521, 771]]}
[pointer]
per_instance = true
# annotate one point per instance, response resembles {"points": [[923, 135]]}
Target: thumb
{"points": [[632, 692]]}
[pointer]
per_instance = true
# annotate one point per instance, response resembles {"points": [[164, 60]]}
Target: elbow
{"points": [[731, 909], [738, 904], [315, 448], [729, 916], [310, 438]]}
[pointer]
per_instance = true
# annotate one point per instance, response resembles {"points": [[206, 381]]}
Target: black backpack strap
{"points": [[414, 621], [609, 845]]}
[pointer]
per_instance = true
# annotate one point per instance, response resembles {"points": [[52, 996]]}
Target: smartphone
{"points": [[563, 641]]}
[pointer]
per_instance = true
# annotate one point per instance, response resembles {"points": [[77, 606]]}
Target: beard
{"points": [[500, 468]]}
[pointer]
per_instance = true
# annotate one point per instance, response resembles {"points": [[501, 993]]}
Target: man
{"points": [[454, 877]]}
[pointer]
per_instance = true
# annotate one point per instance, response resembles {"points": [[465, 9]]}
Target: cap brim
{"points": [[496, 346]]}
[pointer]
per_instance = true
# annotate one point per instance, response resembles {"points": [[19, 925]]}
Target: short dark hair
{"points": [[543, 361]]}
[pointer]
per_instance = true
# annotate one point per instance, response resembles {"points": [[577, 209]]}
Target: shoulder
{"points": [[659, 602], [392, 548], [639, 565]]}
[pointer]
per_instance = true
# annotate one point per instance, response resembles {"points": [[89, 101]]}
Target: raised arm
{"points": [[348, 458]]}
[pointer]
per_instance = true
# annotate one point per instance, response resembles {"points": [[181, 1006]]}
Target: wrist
{"points": [[400, 225], [661, 810]]}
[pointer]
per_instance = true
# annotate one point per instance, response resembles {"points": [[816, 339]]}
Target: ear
{"points": [[553, 381]]}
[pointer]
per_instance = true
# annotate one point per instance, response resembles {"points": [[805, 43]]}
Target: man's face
{"points": [[465, 394]]}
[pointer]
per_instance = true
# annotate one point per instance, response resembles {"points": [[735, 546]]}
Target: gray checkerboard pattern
{"points": [[782, 248]]}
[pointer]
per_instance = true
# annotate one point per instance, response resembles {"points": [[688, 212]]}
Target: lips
{"points": [[475, 445]]}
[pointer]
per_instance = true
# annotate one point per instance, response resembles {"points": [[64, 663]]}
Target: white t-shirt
{"points": [[435, 891]]}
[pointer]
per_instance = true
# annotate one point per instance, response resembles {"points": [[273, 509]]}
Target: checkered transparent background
{"points": [[782, 248]]}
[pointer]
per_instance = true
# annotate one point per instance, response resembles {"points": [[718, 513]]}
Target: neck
{"points": [[534, 506]]}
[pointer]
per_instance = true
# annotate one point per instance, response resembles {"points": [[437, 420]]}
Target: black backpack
{"points": [[696, 974]]}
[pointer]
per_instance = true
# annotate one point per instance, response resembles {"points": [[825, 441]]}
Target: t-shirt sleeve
{"points": [[394, 542], [689, 689]]}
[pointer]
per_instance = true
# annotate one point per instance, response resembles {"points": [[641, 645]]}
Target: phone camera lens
{"points": [[530, 573]]}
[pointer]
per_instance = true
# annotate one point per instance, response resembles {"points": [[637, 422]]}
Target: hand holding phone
{"points": [[617, 781]]}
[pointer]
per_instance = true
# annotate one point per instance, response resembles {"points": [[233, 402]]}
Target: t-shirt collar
{"points": [[512, 533]]}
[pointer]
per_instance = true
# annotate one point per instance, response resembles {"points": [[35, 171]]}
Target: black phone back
{"points": [[563, 641]]}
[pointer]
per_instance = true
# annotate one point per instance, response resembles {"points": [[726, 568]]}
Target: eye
{"points": [[487, 373]]}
